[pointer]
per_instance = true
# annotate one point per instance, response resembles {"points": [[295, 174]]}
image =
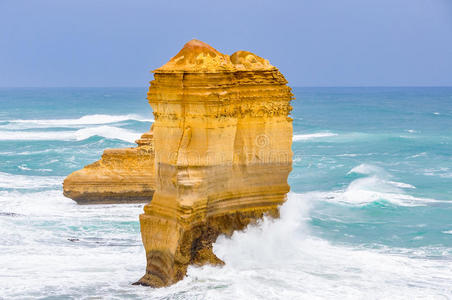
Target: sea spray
{"points": [[281, 258]]}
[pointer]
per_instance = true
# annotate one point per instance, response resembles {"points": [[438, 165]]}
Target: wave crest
{"points": [[309, 136], [376, 186], [96, 119], [109, 132]]}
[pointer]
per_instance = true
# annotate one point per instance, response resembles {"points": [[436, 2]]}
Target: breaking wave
{"points": [[309, 136], [277, 259], [280, 259], [109, 132], [376, 186], [97, 119]]}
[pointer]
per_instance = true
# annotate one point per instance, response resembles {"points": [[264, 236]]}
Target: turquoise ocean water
{"points": [[369, 214]]}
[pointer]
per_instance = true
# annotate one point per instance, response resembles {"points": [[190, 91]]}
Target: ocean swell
{"points": [[376, 186], [109, 132], [97, 119]]}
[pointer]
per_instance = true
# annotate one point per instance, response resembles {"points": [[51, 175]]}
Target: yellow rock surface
{"points": [[222, 140], [121, 176]]}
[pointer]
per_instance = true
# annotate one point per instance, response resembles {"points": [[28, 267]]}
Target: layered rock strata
{"points": [[222, 140], [121, 176]]}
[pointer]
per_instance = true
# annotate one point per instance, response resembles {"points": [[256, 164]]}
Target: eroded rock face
{"points": [[121, 176], [222, 139]]}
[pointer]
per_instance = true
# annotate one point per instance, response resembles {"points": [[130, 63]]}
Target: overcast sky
{"points": [[312, 42]]}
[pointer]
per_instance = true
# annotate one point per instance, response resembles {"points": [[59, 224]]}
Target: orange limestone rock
{"points": [[222, 140], [121, 176]]}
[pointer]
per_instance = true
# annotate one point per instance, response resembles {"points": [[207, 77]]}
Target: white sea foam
{"points": [[440, 172], [26, 153], [370, 189], [280, 259], [418, 155], [67, 249], [12, 181], [367, 169], [80, 122], [402, 185], [109, 132], [377, 186], [309, 136]]}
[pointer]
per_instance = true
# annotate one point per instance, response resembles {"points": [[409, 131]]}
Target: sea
{"points": [[369, 215]]}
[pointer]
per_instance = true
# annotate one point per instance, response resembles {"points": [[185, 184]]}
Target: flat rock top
{"points": [[197, 56]]}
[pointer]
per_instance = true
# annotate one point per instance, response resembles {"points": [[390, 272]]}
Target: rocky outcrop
{"points": [[121, 176], [222, 139]]}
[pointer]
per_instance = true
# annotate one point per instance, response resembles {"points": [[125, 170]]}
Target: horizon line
{"points": [[294, 86]]}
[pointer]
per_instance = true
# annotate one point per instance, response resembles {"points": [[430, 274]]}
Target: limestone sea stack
{"points": [[121, 176], [222, 142]]}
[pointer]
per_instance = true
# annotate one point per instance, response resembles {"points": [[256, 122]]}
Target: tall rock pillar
{"points": [[222, 142]]}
